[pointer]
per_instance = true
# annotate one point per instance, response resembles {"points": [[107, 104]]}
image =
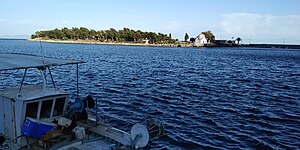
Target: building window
{"points": [[32, 109], [46, 109], [59, 106]]}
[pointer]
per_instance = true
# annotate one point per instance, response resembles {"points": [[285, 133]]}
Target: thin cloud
{"points": [[65, 22], [27, 21], [261, 26], [176, 25], [178, 29]]}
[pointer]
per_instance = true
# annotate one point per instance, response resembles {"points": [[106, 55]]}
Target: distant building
{"points": [[200, 40], [146, 41], [221, 42], [225, 42]]}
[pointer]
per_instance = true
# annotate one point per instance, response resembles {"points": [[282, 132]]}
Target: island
{"points": [[132, 37], [84, 35]]}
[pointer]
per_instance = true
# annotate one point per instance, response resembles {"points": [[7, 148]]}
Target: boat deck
{"points": [[8, 144], [94, 145], [89, 143]]}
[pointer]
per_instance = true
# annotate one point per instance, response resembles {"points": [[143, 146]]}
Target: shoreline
{"points": [[284, 46], [107, 43]]}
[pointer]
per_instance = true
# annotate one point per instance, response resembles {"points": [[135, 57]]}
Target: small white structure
{"points": [[200, 40], [146, 41]]}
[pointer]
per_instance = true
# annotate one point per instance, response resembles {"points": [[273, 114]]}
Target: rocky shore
{"points": [[181, 44], [108, 43]]}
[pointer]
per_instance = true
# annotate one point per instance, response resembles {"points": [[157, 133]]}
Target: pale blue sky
{"points": [[255, 21]]}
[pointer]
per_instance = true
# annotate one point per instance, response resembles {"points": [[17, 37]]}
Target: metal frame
{"points": [[51, 76], [23, 80], [77, 80]]}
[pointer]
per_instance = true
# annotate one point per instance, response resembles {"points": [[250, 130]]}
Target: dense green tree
{"points": [[238, 40], [58, 34], [124, 35], [76, 33], [186, 37], [34, 36], [93, 35], [83, 33], [192, 40], [68, 33], [209, 36], [139, 35]]}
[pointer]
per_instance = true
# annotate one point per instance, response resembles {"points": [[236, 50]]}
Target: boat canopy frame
{"points": [[16, 61]]}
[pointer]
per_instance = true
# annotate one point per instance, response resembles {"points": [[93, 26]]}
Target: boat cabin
{"points": [[22, 107]]}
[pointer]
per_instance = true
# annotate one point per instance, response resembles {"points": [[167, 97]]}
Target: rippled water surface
{"points": [[220, 98]]}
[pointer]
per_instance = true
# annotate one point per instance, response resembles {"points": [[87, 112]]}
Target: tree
{"points": [[93, 35], [58, 34], [75, 32], [238, 40], [186, 37], [192, 40], [82, 33], [139, 35], [209, 35], [67, 32], [170, 36]]}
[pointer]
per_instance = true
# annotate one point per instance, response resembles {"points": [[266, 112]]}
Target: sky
{"points": [[254, 21]]}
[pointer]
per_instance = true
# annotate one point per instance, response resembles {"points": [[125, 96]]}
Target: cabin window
{"points": [[59, 106], [46, 109], [32, 109]]}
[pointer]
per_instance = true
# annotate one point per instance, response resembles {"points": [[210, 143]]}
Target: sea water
{"points": [[220, 98]]}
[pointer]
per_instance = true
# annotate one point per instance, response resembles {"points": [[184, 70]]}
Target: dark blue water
{"points": [[220, 98]]}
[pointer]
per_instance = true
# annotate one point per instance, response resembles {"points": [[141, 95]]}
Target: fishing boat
{"points": [[34, 116]]}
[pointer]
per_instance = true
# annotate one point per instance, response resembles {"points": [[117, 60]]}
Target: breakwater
{"points": [[288, 46]]}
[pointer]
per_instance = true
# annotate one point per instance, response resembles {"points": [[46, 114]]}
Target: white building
{"points": [[200, 40]]}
